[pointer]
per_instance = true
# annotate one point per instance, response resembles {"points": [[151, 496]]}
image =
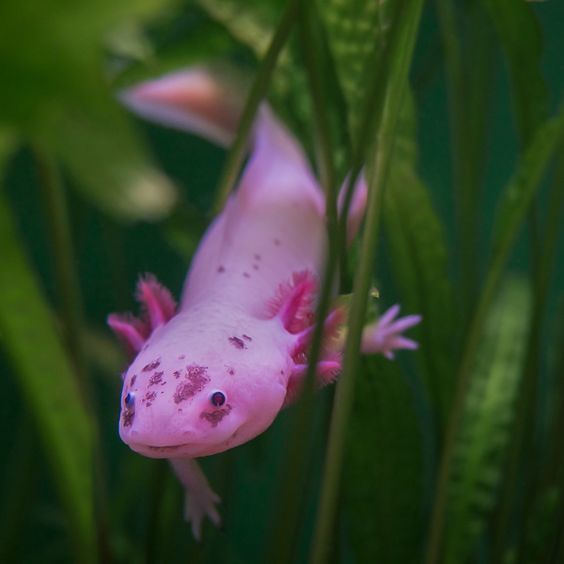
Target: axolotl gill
{"points": [[214, 371]]}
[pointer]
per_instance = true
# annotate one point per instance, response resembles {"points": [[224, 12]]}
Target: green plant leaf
{"points": [[355, 33], [419, 258], [520, 191], [520, 37], [204, 41], [383, 468], [109, 165], [250, 22], [488, 413], [48, 387], [58, 96]]}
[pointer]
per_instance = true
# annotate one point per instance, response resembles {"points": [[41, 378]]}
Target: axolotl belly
{"points": [[215, 371]]}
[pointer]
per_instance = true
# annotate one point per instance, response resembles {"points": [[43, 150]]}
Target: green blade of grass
{"points": [[50, 391]]}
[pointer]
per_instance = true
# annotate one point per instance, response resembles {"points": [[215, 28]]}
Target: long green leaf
{"points": [[486, 422], [50, 391], [520, 37], [383, 468], [355, 33], [468, 48], [419, 258], [520, 191]]}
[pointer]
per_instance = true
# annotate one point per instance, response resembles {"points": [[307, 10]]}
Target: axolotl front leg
{"points": [[200, 499], [297, 316]]}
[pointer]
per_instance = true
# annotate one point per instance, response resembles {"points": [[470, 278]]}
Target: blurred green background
{"points": [[63, 138]]}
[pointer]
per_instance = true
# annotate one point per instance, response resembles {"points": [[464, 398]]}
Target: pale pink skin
{"points": [[244, 320]]}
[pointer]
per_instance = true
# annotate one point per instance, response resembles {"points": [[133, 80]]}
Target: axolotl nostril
{"points": [[214, 371]]}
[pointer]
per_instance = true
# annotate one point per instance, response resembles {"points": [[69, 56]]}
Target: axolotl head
{"points": [[195, 391]]}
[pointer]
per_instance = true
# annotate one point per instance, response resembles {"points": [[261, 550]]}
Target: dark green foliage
{"points": [[385, 447], [419, 257], [52, 395], [448, 455], [486, 422]]}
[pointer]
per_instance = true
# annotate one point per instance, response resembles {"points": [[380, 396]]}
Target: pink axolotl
{"points": [[215, 371]]}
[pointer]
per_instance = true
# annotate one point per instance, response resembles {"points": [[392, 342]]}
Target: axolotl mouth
{"points": [[192, 450]]}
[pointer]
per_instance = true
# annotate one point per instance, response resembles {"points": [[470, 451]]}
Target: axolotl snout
{"points": [[215, 371]]}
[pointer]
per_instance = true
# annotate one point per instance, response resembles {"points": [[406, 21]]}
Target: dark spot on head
{"points": [[221, 269], [150, 397], [156, 378], [152, 365], [256, 256], [237, 343], [247, 338], [277, 242], [127, 416], [133, 378], [196, 379], [255, 266], [176, 373], [230, 371], [181, 357], [246, 275], [214, 417]]}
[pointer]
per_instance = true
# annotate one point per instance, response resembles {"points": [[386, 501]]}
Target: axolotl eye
{"points": [[129, 400], [217, 399]]}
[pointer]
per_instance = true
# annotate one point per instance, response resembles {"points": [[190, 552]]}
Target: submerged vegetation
{"points": [[452, 110]]}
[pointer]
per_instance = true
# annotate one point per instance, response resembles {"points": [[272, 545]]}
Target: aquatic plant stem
{"points": [[403, 42], [255, 97]]}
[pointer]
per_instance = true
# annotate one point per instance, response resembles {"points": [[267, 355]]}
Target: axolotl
{"points": [[214, 372]]}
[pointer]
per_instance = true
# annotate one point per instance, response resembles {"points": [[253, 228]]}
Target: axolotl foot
{"points": [[200, 499], [295, 311]]}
